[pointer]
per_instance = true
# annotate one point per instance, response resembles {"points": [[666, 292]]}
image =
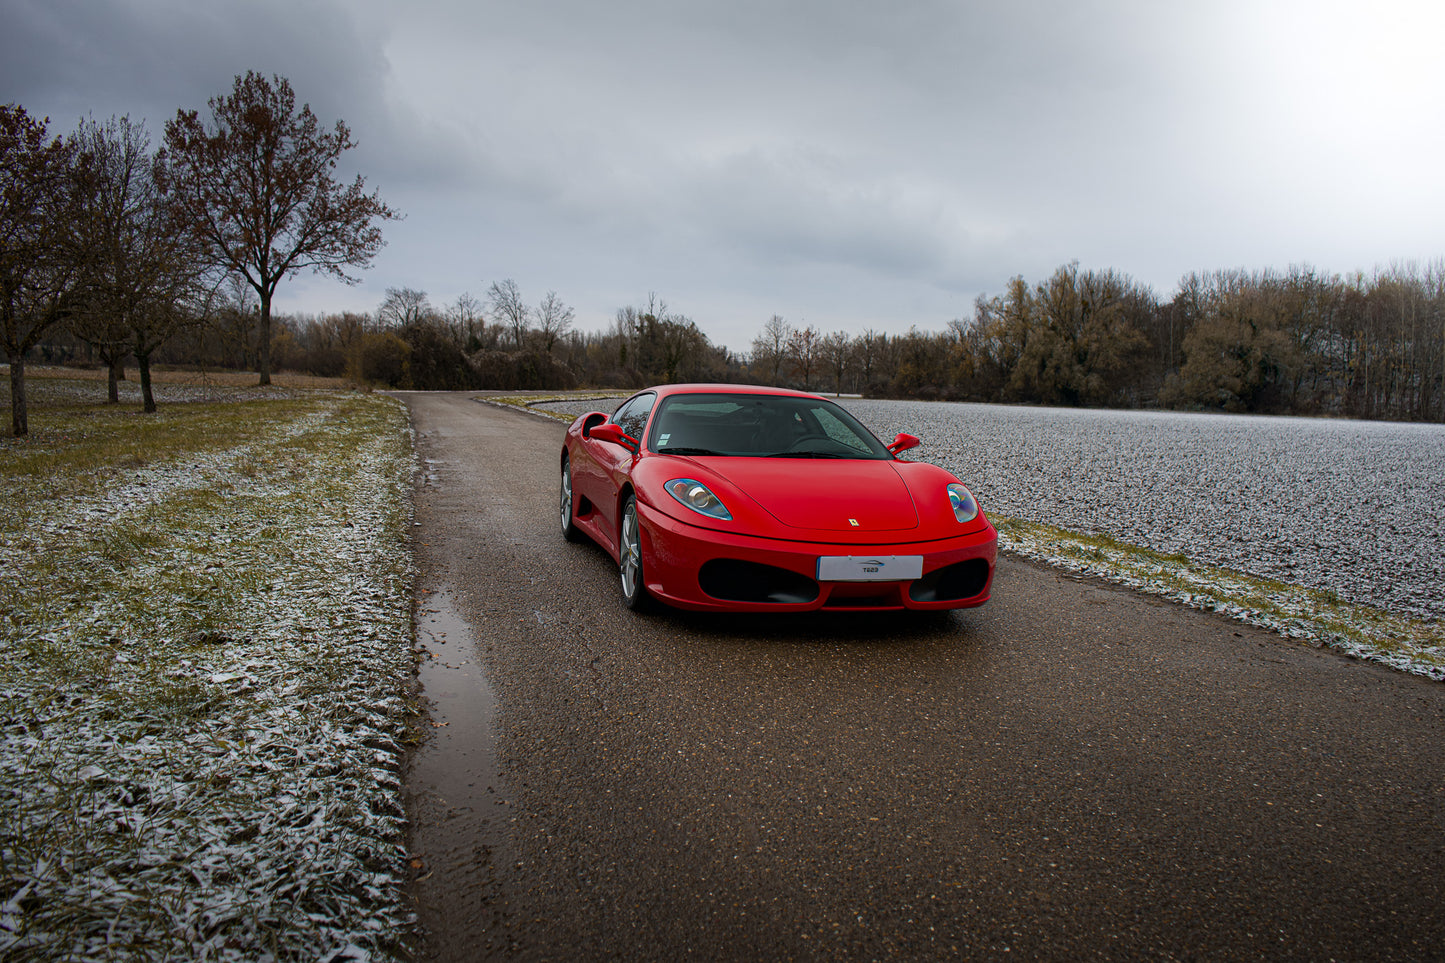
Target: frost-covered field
{"points": [[1331, 531], [1350, 506], [204, 670]]}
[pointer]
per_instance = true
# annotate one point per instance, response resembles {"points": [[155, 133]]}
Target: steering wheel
{"points": [[798, 442]]}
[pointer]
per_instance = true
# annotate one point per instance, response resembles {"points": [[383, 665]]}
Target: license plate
{"points": [[869, 568]]}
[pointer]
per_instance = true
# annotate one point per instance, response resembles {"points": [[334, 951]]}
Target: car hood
{"points": [[824, 494]]}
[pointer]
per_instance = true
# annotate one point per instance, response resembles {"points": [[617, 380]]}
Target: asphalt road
{"points": [[1073, 771]]}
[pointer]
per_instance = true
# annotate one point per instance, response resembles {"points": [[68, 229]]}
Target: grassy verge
{"points": [[165, 375], [527, 403], [205, 618], [1295, 611]]}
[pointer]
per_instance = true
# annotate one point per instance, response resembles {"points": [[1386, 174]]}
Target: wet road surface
{"points": [[1073, 771]]}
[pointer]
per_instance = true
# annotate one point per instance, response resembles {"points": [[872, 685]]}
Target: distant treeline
{"points": [[1297, 342], [1292, 342]]}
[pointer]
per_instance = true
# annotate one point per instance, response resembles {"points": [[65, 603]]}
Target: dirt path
{"points": [[1072, 771]]}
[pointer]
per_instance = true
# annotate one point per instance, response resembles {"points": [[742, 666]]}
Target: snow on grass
{"points": [[1317, 616], [206, 667]]}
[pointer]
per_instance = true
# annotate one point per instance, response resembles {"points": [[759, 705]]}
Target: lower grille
{"points": [[733, 580], [952, 583]]}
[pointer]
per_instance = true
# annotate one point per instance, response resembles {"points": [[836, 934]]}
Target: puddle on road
{"points": [[457, 806], [457, 761]]}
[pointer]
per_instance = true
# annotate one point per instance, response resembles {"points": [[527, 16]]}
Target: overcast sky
{"points": [[844, 164]]}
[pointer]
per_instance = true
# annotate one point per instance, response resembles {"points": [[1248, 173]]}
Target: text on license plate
{"points": [[869, 568]]}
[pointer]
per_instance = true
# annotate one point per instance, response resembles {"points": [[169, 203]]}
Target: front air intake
{"points": [[733, 580], [952, 583]]}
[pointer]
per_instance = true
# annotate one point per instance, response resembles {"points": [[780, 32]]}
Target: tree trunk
{"points": [[143, 361], [114, 377], [19, 421], [263, 347]]}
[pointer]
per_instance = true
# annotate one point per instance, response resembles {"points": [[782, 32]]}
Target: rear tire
{"points": [[634, 586]]}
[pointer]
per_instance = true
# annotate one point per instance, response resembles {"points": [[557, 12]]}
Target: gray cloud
{"points": [[855, 164]]}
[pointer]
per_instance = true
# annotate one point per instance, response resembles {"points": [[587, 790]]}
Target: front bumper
{"points": [[691, 567]]}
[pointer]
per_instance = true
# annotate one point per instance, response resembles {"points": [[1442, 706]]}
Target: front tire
{"points": [[569, 523], [634, 588]]}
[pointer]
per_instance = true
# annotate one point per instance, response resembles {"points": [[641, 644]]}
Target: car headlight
{"points": [[695, 495], [965, 506]]}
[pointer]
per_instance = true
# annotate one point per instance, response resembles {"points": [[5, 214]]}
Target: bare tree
{"points": [[155, 323], [506, 302], [37, 259], [804, 346], [116, 158], [107, 336], [554, 317], [403, 306], [624, 330], [235, 319], [258, 182], [871, 351], [468, 326], [141, 273], [110, 339], [835, 352], [770, 348]]}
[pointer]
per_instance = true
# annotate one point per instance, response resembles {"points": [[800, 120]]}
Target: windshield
{"points": [[759, 426]]}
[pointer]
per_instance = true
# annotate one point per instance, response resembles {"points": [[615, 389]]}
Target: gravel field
{"points": [[1349, 506], [1352, 507]]}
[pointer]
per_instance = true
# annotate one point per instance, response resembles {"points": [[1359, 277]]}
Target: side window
{"points": [[632, 416]]}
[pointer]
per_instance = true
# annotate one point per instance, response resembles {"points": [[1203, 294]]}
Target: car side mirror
{"points": [[615, 435], [591, 420], [904, 442]]}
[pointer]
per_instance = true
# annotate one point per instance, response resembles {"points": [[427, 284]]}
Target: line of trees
{"points": [[122, 246], [1292, 342], [502, 342], [1298, 341]]}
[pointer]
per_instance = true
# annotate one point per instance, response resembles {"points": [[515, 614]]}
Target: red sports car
{"points": [[752, 499]]}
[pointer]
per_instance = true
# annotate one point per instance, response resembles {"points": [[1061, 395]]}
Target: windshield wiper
{"points": [[684, 450], [806, 454]]}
